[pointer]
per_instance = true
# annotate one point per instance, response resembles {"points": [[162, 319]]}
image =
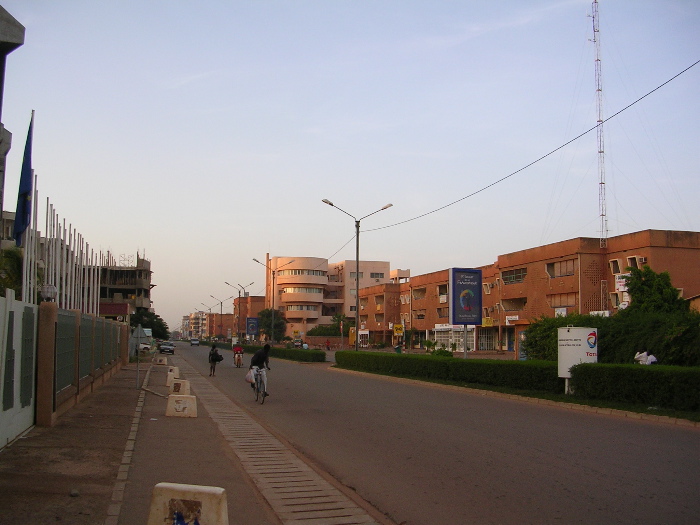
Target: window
{"points": [[375, 275], [419, 314], [353, 309], [487, 288], [443, 312], [318, 273], [352, 275], [302, 307], [561, 268], [512, 305], [514, 276], [297, 289], [615, 266], [562, 299], [418, 293]]}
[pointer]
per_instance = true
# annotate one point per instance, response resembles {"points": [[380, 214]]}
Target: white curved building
{"points": [[309, 291]]}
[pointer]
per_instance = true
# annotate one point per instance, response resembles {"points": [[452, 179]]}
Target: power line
{"points": [[537, 160]]}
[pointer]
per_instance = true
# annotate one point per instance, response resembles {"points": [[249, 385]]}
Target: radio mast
{"points": [[601, 155], [599, 130]]}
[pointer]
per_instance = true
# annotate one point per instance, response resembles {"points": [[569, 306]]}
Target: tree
{"points": [[653, 292], [11, 270], [333, 330], [148, 319], [265, 322]]}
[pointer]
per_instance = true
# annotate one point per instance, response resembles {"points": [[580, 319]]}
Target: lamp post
{"points": [[272, 292], [357, 264], [221, 313], [240, 287]]}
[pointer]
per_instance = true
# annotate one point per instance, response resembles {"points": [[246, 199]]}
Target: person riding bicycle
{"points": [[260, 361]]}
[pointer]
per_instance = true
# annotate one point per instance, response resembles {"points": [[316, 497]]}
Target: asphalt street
{"points": [[427, 454]]}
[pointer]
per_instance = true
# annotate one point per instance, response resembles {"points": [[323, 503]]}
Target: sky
{"points": [[204, 134]]}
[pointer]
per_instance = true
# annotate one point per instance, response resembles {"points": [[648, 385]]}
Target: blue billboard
{"points": [[465, 296], [251, 326]]}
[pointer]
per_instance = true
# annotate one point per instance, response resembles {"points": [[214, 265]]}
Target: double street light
{"points": [[221, 313], [272, 292], [240, 288], [357, 264]]}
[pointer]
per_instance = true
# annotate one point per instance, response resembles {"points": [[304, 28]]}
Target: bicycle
{"points": [[260, 385]]}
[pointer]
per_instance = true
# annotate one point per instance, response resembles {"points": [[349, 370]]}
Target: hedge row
{"points": [[527, 375], [660, 386], [293, 354]]}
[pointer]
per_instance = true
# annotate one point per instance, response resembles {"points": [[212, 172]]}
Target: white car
{"points": [[194, 342]]}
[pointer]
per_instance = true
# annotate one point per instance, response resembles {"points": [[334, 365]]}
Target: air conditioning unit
{"points": [[642, 260], [376, 280]]}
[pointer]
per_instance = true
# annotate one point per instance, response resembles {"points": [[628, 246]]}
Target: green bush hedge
{"points": [[526, 375], [293, 354], [660, 386]]}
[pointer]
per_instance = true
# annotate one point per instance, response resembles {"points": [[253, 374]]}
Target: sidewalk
{"points": [[83, 471]]}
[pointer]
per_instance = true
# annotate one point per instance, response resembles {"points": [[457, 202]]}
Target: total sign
{"points": [[576, 345]]}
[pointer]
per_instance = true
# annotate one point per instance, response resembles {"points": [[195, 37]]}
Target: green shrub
{"points": [[292, 354], [527, 375], [655, 385]]}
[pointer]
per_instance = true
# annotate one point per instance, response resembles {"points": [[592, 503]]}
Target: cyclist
{"points": [[260, 361]]}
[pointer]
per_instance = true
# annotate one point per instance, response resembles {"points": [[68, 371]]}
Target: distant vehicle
{"points": [[194, 342], [298, 343], [167, 347]]}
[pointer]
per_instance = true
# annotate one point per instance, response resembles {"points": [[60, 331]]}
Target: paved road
{"points": [[429, 455]]}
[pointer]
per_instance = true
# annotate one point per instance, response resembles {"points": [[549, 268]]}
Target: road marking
{"points": [[297, 493]]}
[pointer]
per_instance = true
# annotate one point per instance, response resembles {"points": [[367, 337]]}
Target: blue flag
{"points": [[24, 197]]}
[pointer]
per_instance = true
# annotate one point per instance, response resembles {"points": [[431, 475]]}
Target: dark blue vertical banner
{"points": [[465, 296], [251, 326]]}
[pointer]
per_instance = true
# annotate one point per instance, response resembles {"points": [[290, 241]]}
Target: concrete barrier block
{"points": [[181, 406], [180, 386], [175, 370], [161, 360], [177, 503], [169, 379]]}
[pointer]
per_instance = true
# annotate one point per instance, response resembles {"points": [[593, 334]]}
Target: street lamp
{"points": [[272, 291], [221, 313], [357, 264], [240, 287]]}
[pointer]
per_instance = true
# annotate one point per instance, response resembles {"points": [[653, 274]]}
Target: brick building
{"points": [[573, 276]]}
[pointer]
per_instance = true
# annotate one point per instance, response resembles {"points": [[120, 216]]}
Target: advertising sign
{"points": [[576, 345], [251, 326], [465, 296]]}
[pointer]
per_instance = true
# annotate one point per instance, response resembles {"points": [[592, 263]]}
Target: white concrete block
{"points": [[161, 360], [180, 386], [181, 406], [169, 379], [175, 370], [177, 503]]}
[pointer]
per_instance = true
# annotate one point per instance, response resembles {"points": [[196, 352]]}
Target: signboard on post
{"points": [[465, 296], [576, 345], [251, 326]]}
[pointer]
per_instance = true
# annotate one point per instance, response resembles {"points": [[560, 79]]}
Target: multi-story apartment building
{"points": [[573, 276], [124, 288], [309, 291]]}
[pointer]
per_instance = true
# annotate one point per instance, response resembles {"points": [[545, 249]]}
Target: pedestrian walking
{"points": [[214, 358]]}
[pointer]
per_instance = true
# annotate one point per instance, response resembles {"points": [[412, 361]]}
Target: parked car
{"points": [[194, 342], [167, 347]]}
